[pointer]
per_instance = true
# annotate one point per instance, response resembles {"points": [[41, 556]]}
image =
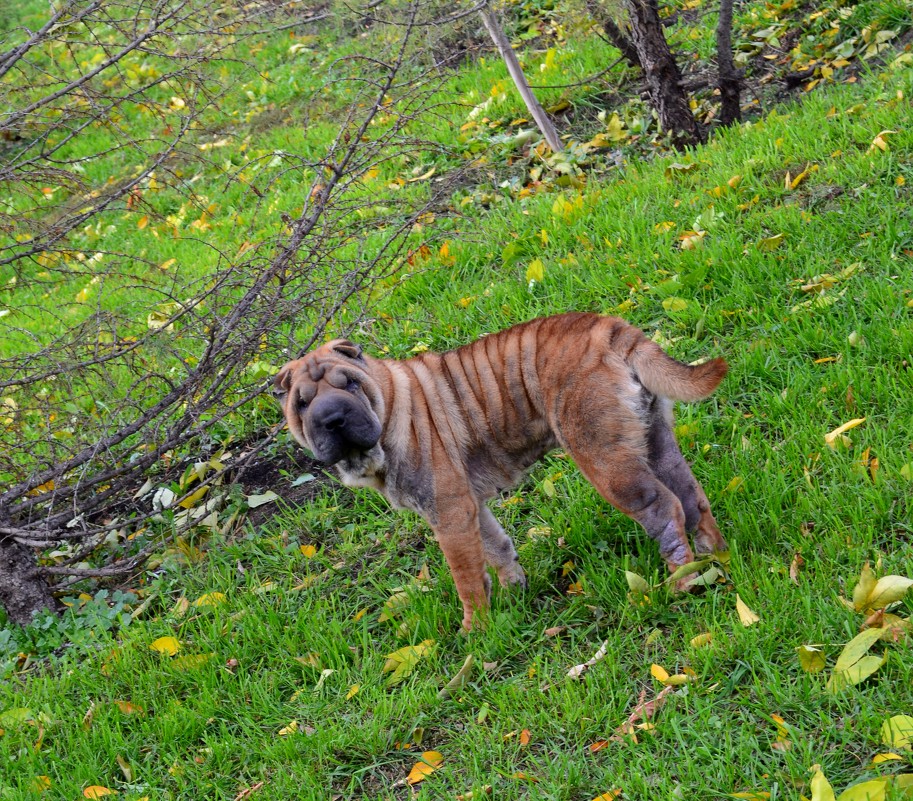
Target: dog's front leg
{"points": [[460, 537]]}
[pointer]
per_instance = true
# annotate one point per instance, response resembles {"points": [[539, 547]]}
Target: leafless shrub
{"points": [[93, 407]]}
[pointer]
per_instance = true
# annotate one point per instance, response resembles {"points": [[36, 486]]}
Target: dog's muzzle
{"points": [[341, 426]]}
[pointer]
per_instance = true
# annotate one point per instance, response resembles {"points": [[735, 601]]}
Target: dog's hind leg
{"points": [[606, 437], [666, 461], [499, 550]]}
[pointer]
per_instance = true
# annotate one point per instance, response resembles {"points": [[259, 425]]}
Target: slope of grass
{"points": [[278, 687]]}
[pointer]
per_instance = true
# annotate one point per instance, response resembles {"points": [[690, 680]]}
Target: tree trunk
{"points": [[664, 80], [619, 38], [728, 79], [516, 72], [22, 593]]}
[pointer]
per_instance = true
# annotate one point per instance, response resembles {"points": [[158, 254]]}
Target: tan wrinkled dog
{"points": [[443, 433]]}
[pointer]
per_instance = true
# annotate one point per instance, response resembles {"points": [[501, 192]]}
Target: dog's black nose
{"points": [[330, 417], [335, 421]]}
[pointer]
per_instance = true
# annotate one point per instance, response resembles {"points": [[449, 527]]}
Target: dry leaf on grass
{"points": [[578, 670]]}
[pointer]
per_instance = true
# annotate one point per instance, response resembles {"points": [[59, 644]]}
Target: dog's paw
{"points": [[512, 577]]}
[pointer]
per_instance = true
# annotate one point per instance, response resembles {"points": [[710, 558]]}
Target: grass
{"points": [[208, 722]]}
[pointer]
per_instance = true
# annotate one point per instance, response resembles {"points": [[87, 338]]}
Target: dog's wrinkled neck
{"points": [[364, 469]]}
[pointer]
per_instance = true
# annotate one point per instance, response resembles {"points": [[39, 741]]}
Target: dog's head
{"points": [[333, 405]]}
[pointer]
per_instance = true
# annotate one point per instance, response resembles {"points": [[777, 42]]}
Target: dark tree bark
{"points": [[663, 77], [729, 79], [22, 593], [619, 38]]}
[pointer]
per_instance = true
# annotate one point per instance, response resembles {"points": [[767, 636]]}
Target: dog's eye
{"points": [[353, 385], [302, 404]]}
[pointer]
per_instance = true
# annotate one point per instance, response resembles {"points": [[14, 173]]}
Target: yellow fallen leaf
{"points": [[353, 691], [811, 658], [97, 791], [771, 242], [41, 783], [821, 788], [887, 590], [879, 142], [309, 551], [855, 673], [874, 790], [794, 183], [878, 759], [609, 796], [897, 732], [402, 662], [831, 437], [856, 648], [747, 617], [863, 588], [659, 673], [210, 599], [191, 500], [692, 240], [535, 271], [166, 645], [191, 661], [424, 176], [292, 728], [675, 304], [431, 761], [701, 640], [782, 743]]}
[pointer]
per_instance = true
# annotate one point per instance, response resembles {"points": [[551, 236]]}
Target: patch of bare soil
{"points": [[284, 470]]}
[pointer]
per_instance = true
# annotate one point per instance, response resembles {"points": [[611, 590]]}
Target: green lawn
{"points": [[209, 721], [278, 684]]}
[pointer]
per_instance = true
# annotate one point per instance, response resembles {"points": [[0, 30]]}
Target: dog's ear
{"points": [[282, 382], [349, 349]]}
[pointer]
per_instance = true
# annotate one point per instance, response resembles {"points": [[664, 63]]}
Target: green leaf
{"points": [[13, 717], [253, 501], [675, 169], [686, 570], [637, 583], [459, 680]]}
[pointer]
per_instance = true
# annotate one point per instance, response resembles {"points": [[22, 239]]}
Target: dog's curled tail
{"points": [[665, 376]]}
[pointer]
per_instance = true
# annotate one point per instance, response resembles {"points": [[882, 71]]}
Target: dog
{"points": [[442, 433]]}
